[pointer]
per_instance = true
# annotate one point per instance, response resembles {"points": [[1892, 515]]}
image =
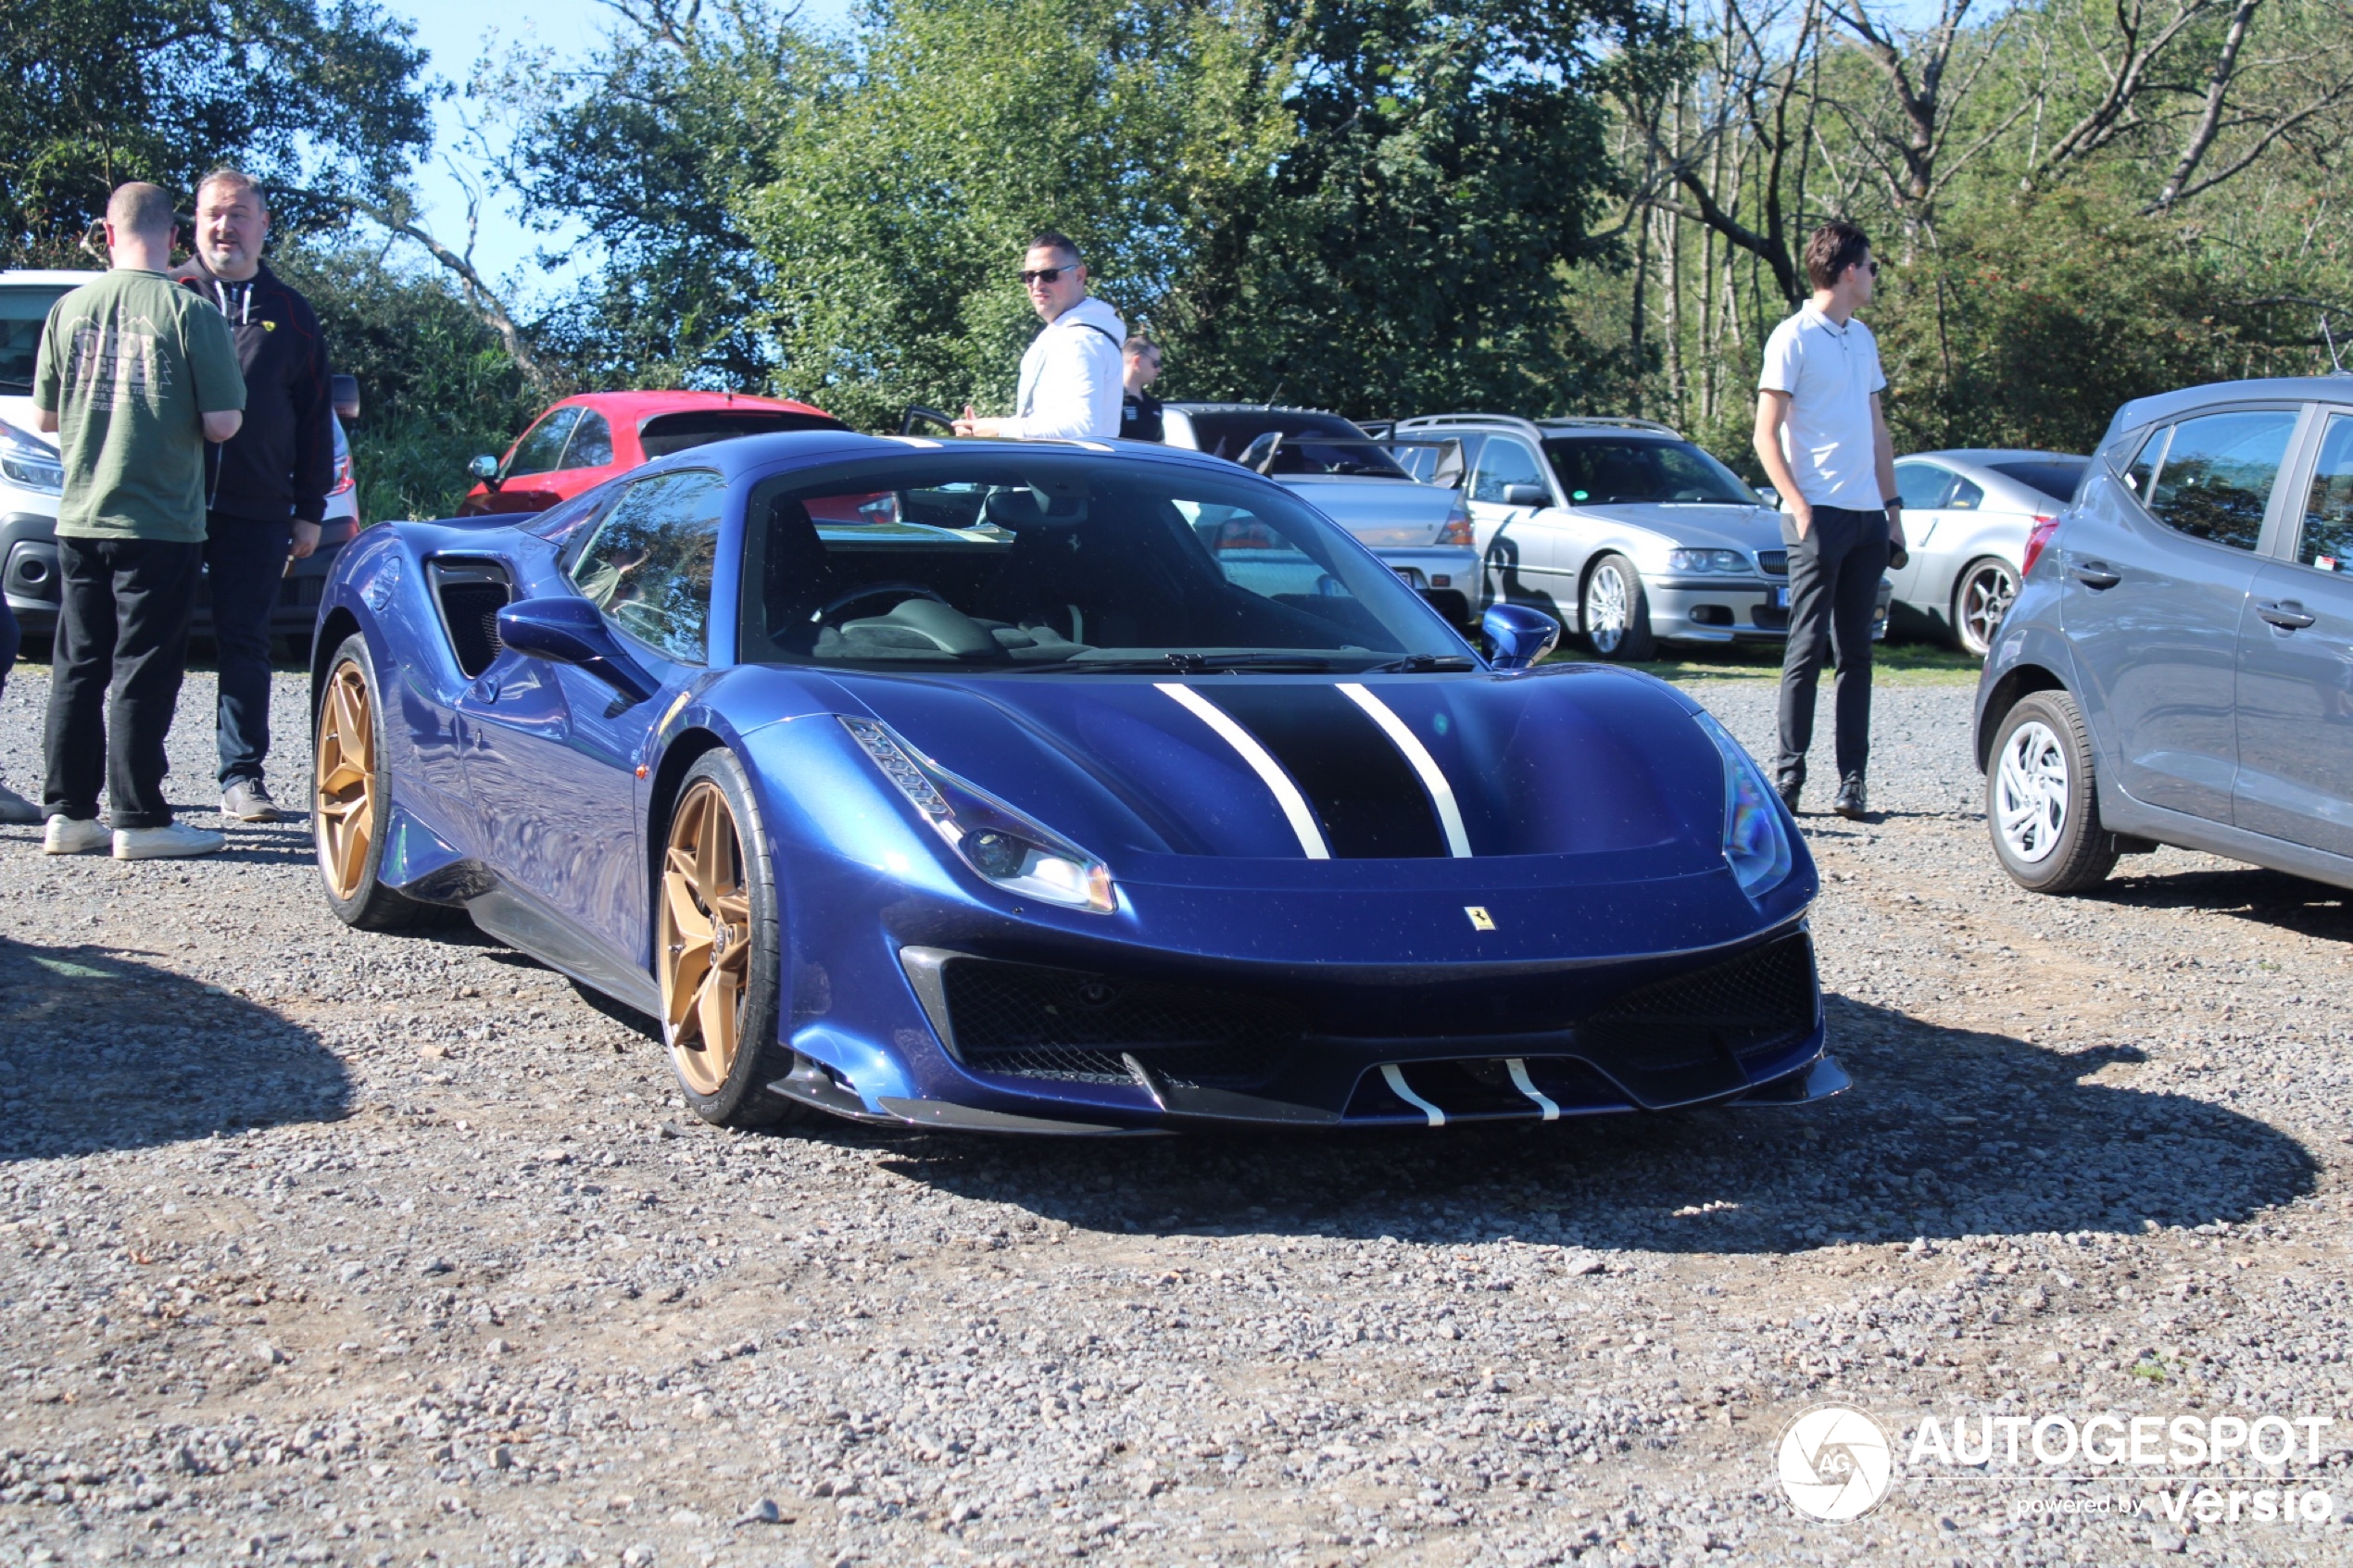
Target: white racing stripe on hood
{"points": [[1270, 772], [1442, 794]]}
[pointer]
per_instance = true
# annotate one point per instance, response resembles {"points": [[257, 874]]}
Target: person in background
{"points": [[1138, 409], [1824, 444], [1070, 375], [134, 374], [269, 493]]}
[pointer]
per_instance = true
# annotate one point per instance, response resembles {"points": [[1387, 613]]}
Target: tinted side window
{"points": [[2218, 472], [2327, 541], [541, 447], [1922, 485], [1503, 462], [648, 566], [591, 443], [2142, 475]]}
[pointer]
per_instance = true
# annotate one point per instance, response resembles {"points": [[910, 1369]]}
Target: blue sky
{"points": [[455, 33]]}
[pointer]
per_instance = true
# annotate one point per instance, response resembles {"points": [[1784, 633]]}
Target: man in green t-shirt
{"points": [[135, 374]]}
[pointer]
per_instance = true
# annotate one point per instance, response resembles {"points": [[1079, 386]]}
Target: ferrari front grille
{"points": [[1761, 1002], [1032, 1022]]}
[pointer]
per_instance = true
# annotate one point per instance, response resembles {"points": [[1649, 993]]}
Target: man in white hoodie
{"points": [[1070, 377]]}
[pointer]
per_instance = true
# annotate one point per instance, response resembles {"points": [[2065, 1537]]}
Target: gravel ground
{"points": [[324, 1247]]}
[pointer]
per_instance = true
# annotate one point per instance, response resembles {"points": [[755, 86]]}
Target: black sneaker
{"points": [[1789, 794], [1850, 798]]}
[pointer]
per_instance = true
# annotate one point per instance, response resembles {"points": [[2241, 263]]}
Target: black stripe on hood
{"points": [[1362, 790]]}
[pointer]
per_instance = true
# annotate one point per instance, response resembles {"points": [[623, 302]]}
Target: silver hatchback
{"points": [[2178, 667]]}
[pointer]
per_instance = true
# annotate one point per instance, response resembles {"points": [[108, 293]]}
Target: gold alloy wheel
{"points": [[344, 809], [705, 939]]}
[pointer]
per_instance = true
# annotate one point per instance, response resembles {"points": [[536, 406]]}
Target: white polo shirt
{"points": [[1829, 372]]}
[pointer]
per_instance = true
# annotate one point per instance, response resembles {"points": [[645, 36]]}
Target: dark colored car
{"points": [[2178, 666], [1041, 786]]}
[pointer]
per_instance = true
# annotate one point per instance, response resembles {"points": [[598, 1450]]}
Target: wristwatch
{"points": [[1896, 505]]}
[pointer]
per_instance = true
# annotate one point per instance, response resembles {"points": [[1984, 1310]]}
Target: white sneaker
{"points": [[75, 835], [165, 843], [15, 810]]}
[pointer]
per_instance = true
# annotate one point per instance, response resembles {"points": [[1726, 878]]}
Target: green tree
{"points": [[104, 90]]}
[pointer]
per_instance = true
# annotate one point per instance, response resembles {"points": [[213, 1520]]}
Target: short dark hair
{"points": [[1054, 239], [1831, 249], [141, 209], [1138, 344], [236, 179]]}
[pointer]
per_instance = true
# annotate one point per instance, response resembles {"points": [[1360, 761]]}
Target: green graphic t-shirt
{"points": [[130, 365]]}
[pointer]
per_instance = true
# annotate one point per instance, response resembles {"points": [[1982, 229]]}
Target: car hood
{"points": [[1728, 528], [20, 413], [1384, 513]]}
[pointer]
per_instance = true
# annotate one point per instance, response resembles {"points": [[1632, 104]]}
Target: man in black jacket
{"points": [[268, 495]]}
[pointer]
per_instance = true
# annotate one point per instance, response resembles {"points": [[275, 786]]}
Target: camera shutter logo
{"points": [[1835, 1462]]}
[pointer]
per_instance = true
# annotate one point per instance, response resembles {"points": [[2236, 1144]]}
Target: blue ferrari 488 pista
{"points": [[1066, 787]]}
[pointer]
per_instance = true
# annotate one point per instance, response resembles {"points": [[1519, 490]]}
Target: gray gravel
{"points": [[322, 1248]]}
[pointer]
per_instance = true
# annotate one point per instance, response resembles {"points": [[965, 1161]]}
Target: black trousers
{"points": [[1835, 573], [244, 565], [122, 647]]}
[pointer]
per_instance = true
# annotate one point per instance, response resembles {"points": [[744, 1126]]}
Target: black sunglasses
{"points": [[1043, 275]]}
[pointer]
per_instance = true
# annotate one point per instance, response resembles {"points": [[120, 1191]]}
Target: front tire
{"points": [[351, 798], [2041, 804], [1982, 597], [716, 948], [1616, 613]]}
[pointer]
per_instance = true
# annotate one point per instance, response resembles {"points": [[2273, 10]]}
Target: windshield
{"points": [[1245, 437], [665, 434], [22, 311], [1611, 470], [2054, 477], [1067, 563]]}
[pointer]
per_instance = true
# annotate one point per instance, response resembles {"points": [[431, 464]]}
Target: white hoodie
{"points": [[1070, 376]]}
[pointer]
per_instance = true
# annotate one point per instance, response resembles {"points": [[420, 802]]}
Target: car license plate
{"points": [[1781, 599]]}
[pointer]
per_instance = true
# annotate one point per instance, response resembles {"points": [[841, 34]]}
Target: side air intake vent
{"points": [[1033, 1021], [1759, 1002], [470, 594]]}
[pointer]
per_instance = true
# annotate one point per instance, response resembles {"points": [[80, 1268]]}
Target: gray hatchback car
{"points": [[2178, 666]]}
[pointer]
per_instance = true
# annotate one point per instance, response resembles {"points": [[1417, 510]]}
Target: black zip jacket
{"points": [[282, 461]]}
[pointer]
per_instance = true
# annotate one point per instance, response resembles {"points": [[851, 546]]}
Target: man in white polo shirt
{"points": [[1824, 445], [1070, 376]]}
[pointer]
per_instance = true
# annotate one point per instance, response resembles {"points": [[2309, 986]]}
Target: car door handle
{"points": [[2096, 575], [2287, 615]]}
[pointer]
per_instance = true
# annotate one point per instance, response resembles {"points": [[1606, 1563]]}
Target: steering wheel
{"points": [[840, 601]]}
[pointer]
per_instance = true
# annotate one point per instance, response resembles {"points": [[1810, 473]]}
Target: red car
{"points": [[583, 441]]}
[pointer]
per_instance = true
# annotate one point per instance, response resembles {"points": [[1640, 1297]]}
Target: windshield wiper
{"points": [[1199, 664], [1416, 663]]}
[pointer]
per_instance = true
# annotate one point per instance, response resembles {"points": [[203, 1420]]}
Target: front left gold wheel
{"points": [[715, 950], [350, 798]]}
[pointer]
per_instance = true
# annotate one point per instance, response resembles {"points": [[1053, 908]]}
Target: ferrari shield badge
{"points": [[1480, 920]]}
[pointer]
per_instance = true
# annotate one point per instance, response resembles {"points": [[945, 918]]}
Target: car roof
{"points": [[748, 454], [2299, 389], [638, 406], [1985, 455], [48, 275], [1550, 428], [1252, 408]]}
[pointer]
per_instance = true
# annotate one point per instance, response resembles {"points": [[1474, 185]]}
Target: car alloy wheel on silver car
{"points": [[1615, 613], [1981, 601], [2029, 793]]}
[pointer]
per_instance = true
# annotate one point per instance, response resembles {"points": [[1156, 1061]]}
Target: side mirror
{"points": [[1771, 496], [1520, 635], [485, 469], [569, 631], [344, 391], [1527, 496]]}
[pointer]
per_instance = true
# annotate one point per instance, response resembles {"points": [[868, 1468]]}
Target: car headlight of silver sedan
{"points": [[31, 462], [1707, 561]]}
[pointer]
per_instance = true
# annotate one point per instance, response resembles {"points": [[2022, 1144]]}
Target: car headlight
{"points": [[991, 838], [1707, 560], [1756, 843], [28, 461]]}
